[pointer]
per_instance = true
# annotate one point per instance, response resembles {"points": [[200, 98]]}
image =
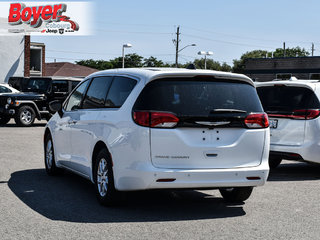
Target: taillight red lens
{"points": [[155, 119], [305, 114], [142, 118], [165, 120], [257, 120]]}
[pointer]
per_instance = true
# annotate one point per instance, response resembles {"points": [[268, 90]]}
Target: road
{"points": [[36, 206]]}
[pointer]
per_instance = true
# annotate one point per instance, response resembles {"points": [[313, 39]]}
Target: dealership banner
{"points": [[45, 18]]}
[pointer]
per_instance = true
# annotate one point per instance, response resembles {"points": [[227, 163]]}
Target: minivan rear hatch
{"points": [[200, 122], [288, 108]]}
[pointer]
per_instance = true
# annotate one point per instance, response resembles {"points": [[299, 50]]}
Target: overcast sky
{"points": [[229, 28]]}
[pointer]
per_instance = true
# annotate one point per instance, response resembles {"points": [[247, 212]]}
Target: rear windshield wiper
{"points": [[220, 110]]}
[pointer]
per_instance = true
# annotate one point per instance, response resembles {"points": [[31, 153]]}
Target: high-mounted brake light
{"points": [[303, 114], [257, 120], [155, 119]]}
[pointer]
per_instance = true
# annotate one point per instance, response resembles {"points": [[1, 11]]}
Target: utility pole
{"points": [[284, 49], [312, 49], [176, 42]]}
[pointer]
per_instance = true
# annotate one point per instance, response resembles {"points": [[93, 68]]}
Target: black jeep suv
{"points": [[33, 100]]}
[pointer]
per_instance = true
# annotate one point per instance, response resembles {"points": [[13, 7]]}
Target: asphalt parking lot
{"points": [[36, 206]]}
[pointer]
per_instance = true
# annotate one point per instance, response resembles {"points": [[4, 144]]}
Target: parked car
{"points": [[5, 88], [138, 129], [293, 108], [33, 102], [18, 82]]}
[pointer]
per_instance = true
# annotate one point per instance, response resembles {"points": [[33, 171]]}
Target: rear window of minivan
{"points": [[197, 96], [287, 98]]}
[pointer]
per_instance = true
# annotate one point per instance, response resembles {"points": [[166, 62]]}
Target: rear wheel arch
{"points": [[97, 148], [46, 134], [34, 107]]}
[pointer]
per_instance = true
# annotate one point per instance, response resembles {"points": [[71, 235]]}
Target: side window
{"points": [[74, 84], [76, 97], [4, 90], [120, 89], [97, 92], [59, 86]]}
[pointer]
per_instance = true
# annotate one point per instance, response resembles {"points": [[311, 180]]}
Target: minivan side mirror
{"points": [[56, 106]]}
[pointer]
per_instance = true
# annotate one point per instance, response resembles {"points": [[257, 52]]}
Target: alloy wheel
{"points": [[102, 177]]}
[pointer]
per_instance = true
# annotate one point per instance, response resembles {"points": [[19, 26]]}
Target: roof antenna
{"points": [[191, 66]]}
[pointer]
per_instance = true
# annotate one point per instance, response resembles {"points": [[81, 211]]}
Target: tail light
{"points": [[155, 119], [257, 120], [304, 114]]}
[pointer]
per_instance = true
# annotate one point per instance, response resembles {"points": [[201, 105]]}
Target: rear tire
{"points": [[49, 158], [106, 193], [236, 194], [4, 120], [25, 116], [274, 162]]}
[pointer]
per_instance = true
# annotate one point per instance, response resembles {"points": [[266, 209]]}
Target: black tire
{"points": [[236, 194], [49, 158], [4, 120], [274, 162], [25, 116], [106, 193]]}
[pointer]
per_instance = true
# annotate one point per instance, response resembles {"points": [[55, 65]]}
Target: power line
{"points": [[93, 53], [226, 42], [244, 37], [231, 35], [114, 54], [135, 24], [126, 32]]}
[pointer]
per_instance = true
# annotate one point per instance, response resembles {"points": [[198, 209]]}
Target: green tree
{"points": [[97, 64], [212, 65], [152, 62], [291, 52], [226, 67], [238, 65], [130, 61]]}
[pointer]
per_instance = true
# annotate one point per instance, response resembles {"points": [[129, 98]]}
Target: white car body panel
{"points": [[13, 90], [202, 148], [244, 154], [284, 134]]}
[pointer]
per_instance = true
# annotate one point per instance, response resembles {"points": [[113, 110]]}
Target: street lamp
{"points": [[205, 56], [177, 51], [127, 45]]}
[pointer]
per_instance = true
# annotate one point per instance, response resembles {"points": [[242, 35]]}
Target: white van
{"points": [[137, 129], [293, 108]]}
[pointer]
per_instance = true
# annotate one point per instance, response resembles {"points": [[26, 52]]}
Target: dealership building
{"points": [[20, 58], [267, 69]]}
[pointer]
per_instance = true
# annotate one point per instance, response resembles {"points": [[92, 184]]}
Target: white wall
{"points": [[11, 56]]}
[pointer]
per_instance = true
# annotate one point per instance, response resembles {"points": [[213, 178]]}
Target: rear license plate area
{"points": [[273, 123]]}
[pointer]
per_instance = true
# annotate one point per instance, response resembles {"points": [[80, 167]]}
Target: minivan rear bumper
{"points": [[156, 178], [309, 151]]}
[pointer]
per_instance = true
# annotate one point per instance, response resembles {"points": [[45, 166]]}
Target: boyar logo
{"points": [[35, 16]]}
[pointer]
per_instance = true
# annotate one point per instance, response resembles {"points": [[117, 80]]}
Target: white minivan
{"points": [[138, 129], [293, 108]]}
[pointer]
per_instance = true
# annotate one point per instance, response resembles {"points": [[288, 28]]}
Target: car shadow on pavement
{"points": [[295, 171], [13, 125], [71, 198]]}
